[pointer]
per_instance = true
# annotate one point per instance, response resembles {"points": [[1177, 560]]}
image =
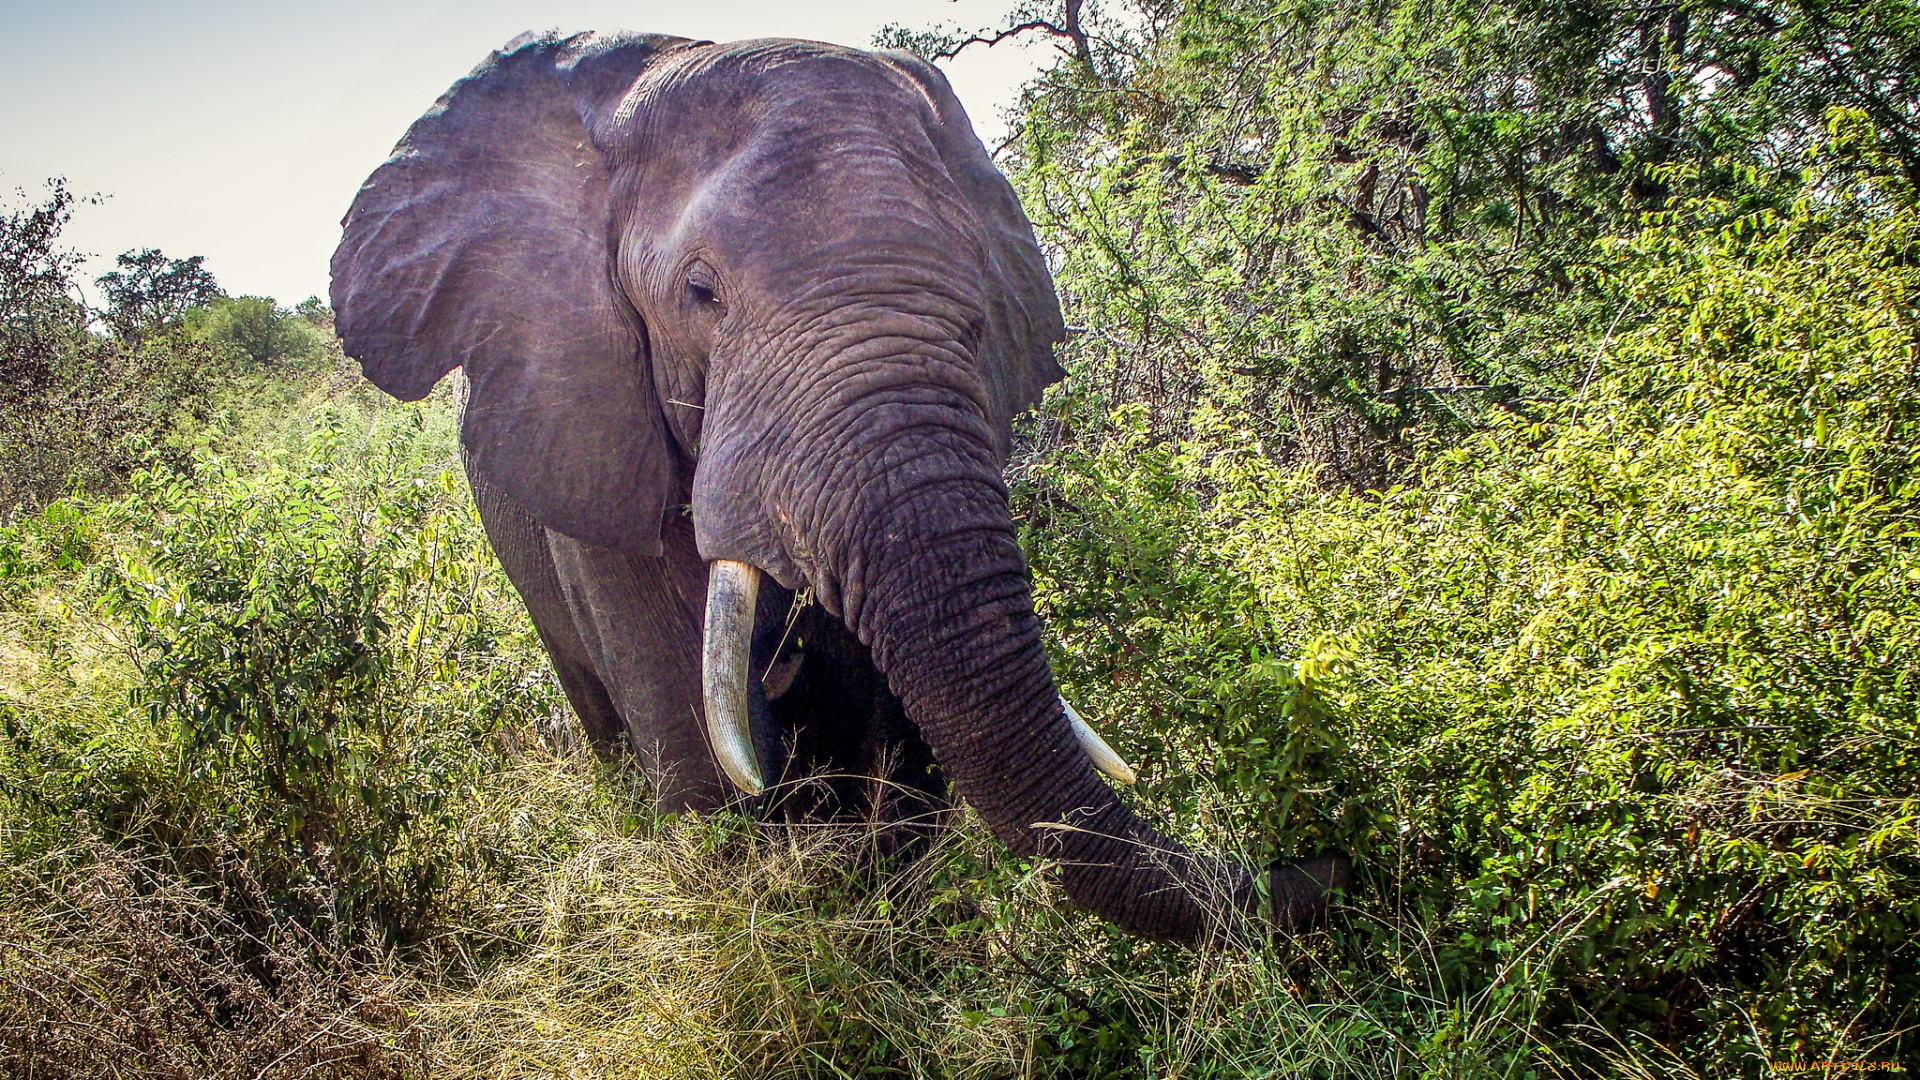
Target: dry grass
{"points": [[109, 968], [711, 947], [699, 947], [606, 943]]}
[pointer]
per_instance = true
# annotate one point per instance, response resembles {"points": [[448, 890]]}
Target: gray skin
{"points": [[767, 301]]}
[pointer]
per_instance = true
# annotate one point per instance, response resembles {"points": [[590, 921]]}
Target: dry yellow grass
{"points": [[112, 967], [709, 947]]}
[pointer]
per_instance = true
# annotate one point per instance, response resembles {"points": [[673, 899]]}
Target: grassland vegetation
{"points": [[1603, 671], [88, 397]]}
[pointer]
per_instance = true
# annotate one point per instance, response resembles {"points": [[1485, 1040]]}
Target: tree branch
{"points": [[1069, 28], [1011, 31]]}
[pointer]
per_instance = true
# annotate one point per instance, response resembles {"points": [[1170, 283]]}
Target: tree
{"points": [[253, 328], [1346, 221], [151, 292], [40, 318]]}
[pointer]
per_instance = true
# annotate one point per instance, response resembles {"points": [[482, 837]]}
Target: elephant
{"points": [[743, 328]]}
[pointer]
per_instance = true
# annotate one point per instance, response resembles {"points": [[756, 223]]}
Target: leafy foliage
{"points": [[257, 332], [322, 679], [1629, 681], [107, 412], [1354, 221], [150, 292]]}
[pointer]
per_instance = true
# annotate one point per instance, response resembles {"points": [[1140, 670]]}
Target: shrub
{"points": [[255, 331], [321, 652], [1616, 701], [106, 412]]}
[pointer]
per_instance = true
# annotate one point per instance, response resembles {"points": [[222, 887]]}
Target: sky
{"points": [[240, 131]]}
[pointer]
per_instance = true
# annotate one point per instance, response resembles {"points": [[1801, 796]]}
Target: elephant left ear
{"points": [[1024, 322], [486, 242]]}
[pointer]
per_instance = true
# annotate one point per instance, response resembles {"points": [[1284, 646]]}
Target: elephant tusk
{"points": [[1104, 759], [733, 588]]}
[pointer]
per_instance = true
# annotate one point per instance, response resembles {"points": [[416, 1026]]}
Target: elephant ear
{"points": [[1024, 320], [487, 242]]}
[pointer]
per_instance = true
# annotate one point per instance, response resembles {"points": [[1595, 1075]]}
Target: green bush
{"points": [[320, 651], [1616, 702], [256, 331], [107, 411]]}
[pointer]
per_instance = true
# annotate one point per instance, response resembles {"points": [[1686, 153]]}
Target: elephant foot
{"points": [[1300, 891]]}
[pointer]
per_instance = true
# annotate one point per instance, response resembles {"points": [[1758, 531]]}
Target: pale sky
{"points": [[240, 131]]}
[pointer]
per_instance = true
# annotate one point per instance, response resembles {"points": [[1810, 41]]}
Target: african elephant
{"points": [[760, 307]]}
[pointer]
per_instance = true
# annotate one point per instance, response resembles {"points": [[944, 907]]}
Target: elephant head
{"points": [[759, 307]]}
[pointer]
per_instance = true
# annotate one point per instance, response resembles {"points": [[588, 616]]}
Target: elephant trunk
{"points": [[953, 628], [943, 600], [886, 497]]}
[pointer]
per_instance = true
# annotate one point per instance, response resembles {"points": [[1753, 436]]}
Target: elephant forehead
{"points": [[712, 96], [833, 216], [770, 67]]}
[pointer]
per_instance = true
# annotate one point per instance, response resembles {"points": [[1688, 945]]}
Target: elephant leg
{"points": [[520, 543], [641, 620]]}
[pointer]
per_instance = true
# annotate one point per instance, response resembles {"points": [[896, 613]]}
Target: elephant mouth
{"points": [[792, 695], [798, 715]]}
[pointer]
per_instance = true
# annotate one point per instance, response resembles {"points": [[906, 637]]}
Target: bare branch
{"points": [[1068, 28], [1011, 31]]}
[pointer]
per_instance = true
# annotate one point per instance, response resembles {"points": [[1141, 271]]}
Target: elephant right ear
{"points": [[487, 242]]}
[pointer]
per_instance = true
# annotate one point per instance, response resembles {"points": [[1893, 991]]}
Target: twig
{"points": [[801, 599], [1581, 398], [308, 1041], [1072, 31]]}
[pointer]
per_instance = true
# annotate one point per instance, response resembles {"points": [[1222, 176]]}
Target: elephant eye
{"points": [[702, 294]]}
